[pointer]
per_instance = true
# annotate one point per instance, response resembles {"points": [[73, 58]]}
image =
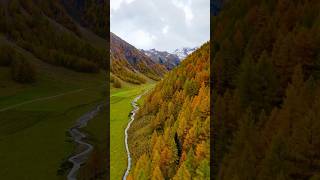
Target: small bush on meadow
{"points": [[22, 71], [117, 83]]}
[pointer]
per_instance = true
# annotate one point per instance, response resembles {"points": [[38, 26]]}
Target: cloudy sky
{"points": [[161, 24]]}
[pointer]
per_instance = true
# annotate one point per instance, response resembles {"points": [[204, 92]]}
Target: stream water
{"points": [[78, 159], [133, 113]]}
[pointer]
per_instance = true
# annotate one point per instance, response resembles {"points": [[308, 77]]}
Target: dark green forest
{"points": [[266, 94]]}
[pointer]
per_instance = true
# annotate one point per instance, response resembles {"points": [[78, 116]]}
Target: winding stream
{"points": [[133, 113], [78, 159]]}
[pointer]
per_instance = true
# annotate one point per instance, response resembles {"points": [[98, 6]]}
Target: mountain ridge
{"points": [[129, 63], [182, 53], [169, 60]]}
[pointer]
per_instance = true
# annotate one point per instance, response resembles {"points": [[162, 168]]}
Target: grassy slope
{"points": [[42, 131], [30, 132], [120, 105]]}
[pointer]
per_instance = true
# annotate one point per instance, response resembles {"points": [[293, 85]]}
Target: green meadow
{"points": [[35, 118], [120, 107]]}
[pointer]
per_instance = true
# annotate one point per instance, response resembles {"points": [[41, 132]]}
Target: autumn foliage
{"points": [[45, 29], [22, 70], [130, 64], [170, 137], [266, 90]]}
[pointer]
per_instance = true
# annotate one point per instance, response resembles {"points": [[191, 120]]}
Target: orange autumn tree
{"points": [[170, 137], [266, 70]]}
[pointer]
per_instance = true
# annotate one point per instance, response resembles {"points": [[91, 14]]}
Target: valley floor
{"points": [[34, 120], [120, 107]]}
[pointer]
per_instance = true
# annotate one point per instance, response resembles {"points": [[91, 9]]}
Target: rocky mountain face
{"points": [[163, 57], [184, 52], [169, 60], [126, 60]]}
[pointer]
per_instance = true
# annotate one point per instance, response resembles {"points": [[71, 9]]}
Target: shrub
{"points": [[111, 79], [117, 83], [22, 71], [7, 54], [83, 65]]}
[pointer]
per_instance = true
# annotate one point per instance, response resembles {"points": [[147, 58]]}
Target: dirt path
{"points": [[78, 159]]}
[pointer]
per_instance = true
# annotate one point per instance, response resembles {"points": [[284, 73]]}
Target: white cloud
{"points": [[139, 38], [165, 29], [188, 14], [129, 1], [185, 6], [116, 4], [162, 24]]}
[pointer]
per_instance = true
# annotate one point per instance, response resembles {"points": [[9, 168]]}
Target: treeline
{"points": [[121, 69], [266, 90], [171, 134], [22, 71], [116, 83], [130, 72], [27, 24], [154, 72]]}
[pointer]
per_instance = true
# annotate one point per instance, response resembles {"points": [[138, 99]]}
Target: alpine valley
{"points": [[53, 66], [168, 137]]}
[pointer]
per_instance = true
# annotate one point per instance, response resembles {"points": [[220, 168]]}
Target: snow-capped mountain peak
{"points": [[184, 52], [162, 57]]}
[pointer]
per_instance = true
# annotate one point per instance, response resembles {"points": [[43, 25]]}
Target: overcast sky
{"points": [[161, 24]]}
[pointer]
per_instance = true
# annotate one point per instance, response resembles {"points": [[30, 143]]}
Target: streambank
{"points": [[133, 113], [78, 137]]}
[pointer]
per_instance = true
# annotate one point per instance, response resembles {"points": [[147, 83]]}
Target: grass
{"points": [[33, 140], [120, 107], [33, 137]]}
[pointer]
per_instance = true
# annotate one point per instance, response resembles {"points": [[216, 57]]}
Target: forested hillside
{"points": [[132, 65], [52, 72], [266, 69], [171, 133], [90, 14], [45, 29]]}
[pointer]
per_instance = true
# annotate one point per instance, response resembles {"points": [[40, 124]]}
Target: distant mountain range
{"points": [[163, 57], [169, 60]]}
